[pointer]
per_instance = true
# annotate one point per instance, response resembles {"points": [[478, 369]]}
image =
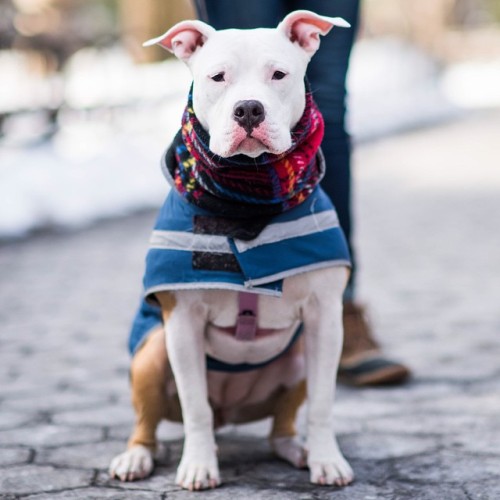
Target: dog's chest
{"points": [[278, 321], [272, 312]]}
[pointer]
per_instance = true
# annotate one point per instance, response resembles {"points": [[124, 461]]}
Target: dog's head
{"points": [[249, 84]]}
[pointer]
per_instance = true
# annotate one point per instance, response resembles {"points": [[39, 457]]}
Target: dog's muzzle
{"points": [[249, 114]]}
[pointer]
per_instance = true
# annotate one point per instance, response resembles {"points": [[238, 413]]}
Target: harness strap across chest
{"points": [[246, 327]]}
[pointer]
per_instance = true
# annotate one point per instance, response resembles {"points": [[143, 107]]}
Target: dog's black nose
{"points": [[248, 114]]}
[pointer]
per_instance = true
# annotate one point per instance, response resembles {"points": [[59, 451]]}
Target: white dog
{"points": [[242, 345]]}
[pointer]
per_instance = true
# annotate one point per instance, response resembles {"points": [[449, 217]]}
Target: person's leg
{"points": [[362, 362], [222, 14]]}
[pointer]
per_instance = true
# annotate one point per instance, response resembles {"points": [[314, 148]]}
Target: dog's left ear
{"points": [[183, 39], [304, 27]]}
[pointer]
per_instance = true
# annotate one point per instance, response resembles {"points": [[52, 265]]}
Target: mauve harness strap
{"points": [[246, 327]]}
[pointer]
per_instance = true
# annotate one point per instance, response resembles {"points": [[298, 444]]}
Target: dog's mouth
{"points": [[248, 146], [252, 143], [253, 146]]}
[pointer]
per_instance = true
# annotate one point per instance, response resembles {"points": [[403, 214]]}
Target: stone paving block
{"points": [[34, 479], [356, 408], [162, 480], [230, 492], [483, 490], [120, 432], [102, 416], [115, 387], [14, 456], [55, 401], [97, 494], [50, 435], [486, 442], [16, 387], [83, 456], [392, 491], [11, 419], [409, 491], [377, 446], [471, 402], [452, 366], [448, 467], [414, 391], [424, 423]]}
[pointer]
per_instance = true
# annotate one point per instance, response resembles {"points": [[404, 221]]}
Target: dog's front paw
{"points": [[327, 465], [198, 469], [335, 471], [135, 463]]}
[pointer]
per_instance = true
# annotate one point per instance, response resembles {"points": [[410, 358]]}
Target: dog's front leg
{"points": [[184, 332], [323, 338]]}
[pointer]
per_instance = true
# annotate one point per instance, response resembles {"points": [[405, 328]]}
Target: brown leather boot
{"points": [[362, 362]]}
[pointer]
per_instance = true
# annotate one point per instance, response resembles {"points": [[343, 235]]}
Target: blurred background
{"points": [[85, 111]]}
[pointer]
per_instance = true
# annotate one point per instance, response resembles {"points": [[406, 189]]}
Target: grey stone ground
{"points": [[428, 206]]}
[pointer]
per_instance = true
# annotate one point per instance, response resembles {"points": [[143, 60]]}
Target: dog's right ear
{"points": [[183, 39]]}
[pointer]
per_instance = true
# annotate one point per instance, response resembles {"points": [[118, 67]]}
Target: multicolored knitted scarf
{"points": [[244, 187]]}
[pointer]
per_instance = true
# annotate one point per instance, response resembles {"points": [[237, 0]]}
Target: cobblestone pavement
{"points": [[428, 206]]}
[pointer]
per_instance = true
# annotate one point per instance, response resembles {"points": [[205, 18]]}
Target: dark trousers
{"points": [[327, 76]]}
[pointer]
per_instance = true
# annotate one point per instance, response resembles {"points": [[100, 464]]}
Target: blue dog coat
{"points": [[191, 248]]}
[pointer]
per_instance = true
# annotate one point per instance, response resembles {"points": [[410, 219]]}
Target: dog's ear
{"points": [[304, 27], [183, 39]]}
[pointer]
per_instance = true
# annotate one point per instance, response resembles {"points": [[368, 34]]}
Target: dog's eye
{"points": [[219, 77], [278, 75]]}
